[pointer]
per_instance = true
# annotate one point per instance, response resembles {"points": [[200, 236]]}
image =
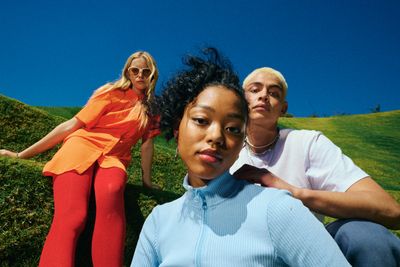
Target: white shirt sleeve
{"points": [[328, 168]]}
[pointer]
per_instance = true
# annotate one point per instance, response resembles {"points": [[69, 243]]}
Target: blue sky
{"points": [[337, 56]]}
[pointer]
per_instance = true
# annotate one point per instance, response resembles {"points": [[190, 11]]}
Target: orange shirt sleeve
{"points": [[153, 129], [93, 110]]}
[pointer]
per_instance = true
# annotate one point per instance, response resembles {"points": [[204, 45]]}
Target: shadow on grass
{"points": [[134, 219]]}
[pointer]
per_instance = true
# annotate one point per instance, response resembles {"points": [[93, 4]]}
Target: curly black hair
{"points": [[186, 85]]}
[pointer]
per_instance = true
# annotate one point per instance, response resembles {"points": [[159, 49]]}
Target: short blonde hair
{"points": [[271, 71]]}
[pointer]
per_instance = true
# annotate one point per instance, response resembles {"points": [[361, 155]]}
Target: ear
{"points": [[284, 108], [176, 134], [176, 130]]}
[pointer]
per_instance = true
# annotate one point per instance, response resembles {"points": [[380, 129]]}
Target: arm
{"points": [[145, 253], [343, 190], [56, 136], [365, 199], [146, 154], [298, 237]]}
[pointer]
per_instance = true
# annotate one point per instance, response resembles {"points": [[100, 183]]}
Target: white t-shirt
{"points": [[305, 159]]}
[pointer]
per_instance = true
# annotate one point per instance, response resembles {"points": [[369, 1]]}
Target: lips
{"points": [[261, 107], [210, 156]]}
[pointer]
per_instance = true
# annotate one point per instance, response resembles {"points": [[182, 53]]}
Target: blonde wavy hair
{"points": [[271, 71], [124, 83]]}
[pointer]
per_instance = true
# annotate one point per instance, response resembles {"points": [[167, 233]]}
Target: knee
{"points": [[110, 189], [364, 239], [363, 233]]}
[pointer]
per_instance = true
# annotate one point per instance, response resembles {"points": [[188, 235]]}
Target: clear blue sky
{"points": [[338, 56]]}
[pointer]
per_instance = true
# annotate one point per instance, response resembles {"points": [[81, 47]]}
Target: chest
{"points": [[225, 235]]}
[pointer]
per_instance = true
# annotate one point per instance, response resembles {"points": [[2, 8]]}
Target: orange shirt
{"points": [[107, 137]]}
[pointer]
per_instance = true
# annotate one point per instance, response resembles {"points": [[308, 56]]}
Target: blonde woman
{"points": [[97, 149]]}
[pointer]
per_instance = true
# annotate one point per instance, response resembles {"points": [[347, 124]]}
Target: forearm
{"points": [[376, 206], [147, 160], [53, 138]]}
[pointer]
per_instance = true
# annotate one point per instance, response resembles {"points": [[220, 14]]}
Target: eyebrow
{"points": [[231, 115], [261, 84]]}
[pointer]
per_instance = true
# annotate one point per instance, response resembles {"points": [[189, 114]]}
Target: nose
{"points": [[215, 135], [140, 73], [263, 95]]}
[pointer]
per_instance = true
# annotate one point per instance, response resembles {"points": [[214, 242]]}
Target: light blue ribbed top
{"points": [[230, 222]]}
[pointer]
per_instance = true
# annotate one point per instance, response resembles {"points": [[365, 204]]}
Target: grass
{"points": [[64, 112], [26, 204]]}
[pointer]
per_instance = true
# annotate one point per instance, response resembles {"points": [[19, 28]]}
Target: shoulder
{"points": [[300, 134], [267, 196], [107, 93], [276, 195], [303, 139], [279, 206], [282, 206], [273, 198]]}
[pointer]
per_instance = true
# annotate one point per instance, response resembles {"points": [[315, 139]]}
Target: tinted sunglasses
{"points": [[135, 71]]}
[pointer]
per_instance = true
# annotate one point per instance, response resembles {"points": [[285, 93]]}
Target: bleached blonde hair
{"points": [[124, 83], [271, 71]]}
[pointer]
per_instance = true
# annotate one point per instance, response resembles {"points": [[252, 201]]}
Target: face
{"points": [[265, 97], [138, 73], [211, 134]]}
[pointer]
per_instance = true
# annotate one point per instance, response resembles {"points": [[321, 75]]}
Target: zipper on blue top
{"points": [[200, 242]]}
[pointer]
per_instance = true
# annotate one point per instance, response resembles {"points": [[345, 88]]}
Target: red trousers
{"points": [[71, 199]]}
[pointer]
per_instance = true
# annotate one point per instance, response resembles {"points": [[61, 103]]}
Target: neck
{"points": [[140, 93], [260, 137], [196, 181]]}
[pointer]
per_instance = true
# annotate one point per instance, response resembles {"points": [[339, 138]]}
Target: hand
{"points": [[8, 153], [263, 177], [152, 186]]}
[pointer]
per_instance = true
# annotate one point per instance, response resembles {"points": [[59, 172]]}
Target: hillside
{"points": [[64, 112], [26, 205]]}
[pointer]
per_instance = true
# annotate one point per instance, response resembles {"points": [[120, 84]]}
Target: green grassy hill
{"points": [[26, 204], [64, 112]]}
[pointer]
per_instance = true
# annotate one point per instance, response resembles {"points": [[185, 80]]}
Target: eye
{"points": [[254, 89], [200, 121], [234, 130], [146, 72], [275, 94]]}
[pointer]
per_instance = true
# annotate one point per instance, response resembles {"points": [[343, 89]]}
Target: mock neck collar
{"points": [[217, 190]]}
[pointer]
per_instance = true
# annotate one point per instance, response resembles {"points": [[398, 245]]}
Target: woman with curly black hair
{"points": [[222, 221]]}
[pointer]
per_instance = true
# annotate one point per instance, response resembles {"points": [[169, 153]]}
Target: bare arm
{"points": [[54, 137], [365, 199], [147, 149]]}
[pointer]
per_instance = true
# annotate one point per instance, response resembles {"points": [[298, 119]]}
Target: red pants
{"points": [[71, 198]]}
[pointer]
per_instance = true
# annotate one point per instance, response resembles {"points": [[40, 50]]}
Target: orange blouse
{"points": [[111, 129]]}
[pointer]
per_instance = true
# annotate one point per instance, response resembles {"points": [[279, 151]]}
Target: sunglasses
{"points": [[135, 71]]}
